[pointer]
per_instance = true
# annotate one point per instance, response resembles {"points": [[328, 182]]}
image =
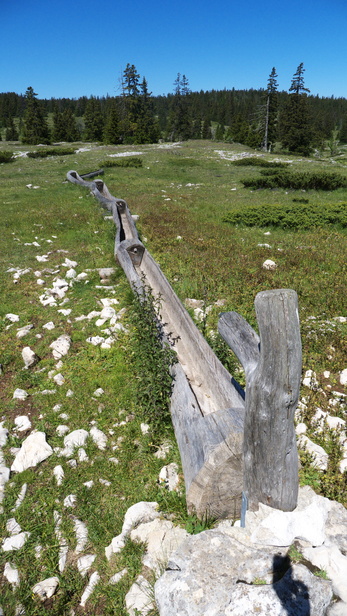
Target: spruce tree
{"points": [[64, 126], [112, 130], [11, 131], [35, 129], [271, 110], [296, 127], [93, 120], [180, 117]]}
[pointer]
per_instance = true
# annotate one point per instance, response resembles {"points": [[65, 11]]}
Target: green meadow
{"points": [[199, 221]]}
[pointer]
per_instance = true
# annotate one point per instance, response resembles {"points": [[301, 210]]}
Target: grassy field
{"points": [[182, 193]]}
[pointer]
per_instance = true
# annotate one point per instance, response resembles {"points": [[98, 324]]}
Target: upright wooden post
{"points": [[273, 371]]}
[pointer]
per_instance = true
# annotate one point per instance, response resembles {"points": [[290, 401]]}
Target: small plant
{"points": [[127, 161], [294, 554], [152, 359], [258, 581], [295, 216], [51, 152], [321, 574], [195, 525], [297, 181], [6, 156], [253, 161]]}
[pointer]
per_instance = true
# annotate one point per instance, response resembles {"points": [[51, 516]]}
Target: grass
{"points": [[182, 191]]}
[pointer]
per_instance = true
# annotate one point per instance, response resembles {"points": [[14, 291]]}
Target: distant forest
{"points": [[293, 121]]}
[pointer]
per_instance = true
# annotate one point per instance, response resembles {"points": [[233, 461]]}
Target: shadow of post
{"points": [[293, 594]]}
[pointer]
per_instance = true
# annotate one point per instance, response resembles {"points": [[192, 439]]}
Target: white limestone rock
{"points": [[99, 438], [75, 439], [136, 514], [46, 589], [168, 476], [20, 394], [117, 576], [81, 532], [84, 563], [59, 379], [23, 331], [12, 575], [60, 346], [94, 578], [12, 527], [319, 455], [162, 538], [34, 450], [138, 599], [59, 474], [310, 380], [15, 542], [22, 423], [343, 377], [330, 560], [29, 357], [20, 497], [269, 264], [14, 318]]}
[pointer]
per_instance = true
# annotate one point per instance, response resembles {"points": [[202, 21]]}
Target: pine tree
{"points": [[93, 120], [147, 130], [270, 124], [296, 127], [35, 129]]}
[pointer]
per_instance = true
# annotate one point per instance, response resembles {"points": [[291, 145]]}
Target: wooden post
{"points": [[272, 365]]}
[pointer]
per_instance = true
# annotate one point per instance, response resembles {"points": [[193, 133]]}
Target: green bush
{"points": [[297, 216], [127, 161], [51, 152], [253, 161], [297, 180], [6, 157]]}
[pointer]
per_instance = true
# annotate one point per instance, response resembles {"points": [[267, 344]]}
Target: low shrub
{"points": [[51, 152], [126, 161], [6, 156], [253, 161], [297, 216], [297, 180]]}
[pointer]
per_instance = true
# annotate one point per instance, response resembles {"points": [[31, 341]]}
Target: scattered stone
{"points": [[70, 500], [269, 264], [20, 497], [71, 273], [169, 476], [12, 527], [163, 451], [23, 331], [15, 542], [310, 380], [61, 346], [343, 377], [81, 532], [42, 258], [62, 429], [14, 318], [117, 576], [11, 574], [20, 394], [49, 325], [98, 392], [319, 455], [63, 547], [34, 450], [29, 357], [46, 588], [330, 560], [59, 474], [145, 428], [77, 438], [59, 379], [95, 340], [84, 563], [94, 578], [99, 438], [138, 599], [22, 423], [82, 455], [135, 515], [162, 538]]}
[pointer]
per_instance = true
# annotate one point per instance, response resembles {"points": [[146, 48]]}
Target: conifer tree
{"points": [[180, 119], [64, 126], [35, 129], [11, 131], [271, 109], [112, 130], [93, 120], [296, 128]]}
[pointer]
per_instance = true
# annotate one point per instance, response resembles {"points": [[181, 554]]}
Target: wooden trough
{"points": [[229, 443]]}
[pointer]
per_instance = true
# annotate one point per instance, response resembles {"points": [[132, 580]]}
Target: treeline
{"points": [[266, 118]]}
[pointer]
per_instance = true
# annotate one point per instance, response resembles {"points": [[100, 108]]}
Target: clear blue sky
{"points": [[73, 48]]}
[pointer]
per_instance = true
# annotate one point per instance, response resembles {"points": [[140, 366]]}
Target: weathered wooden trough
{"points": [[231, 443]]}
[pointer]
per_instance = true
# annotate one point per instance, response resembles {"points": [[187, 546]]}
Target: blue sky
{"points": [[77, 48]]}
